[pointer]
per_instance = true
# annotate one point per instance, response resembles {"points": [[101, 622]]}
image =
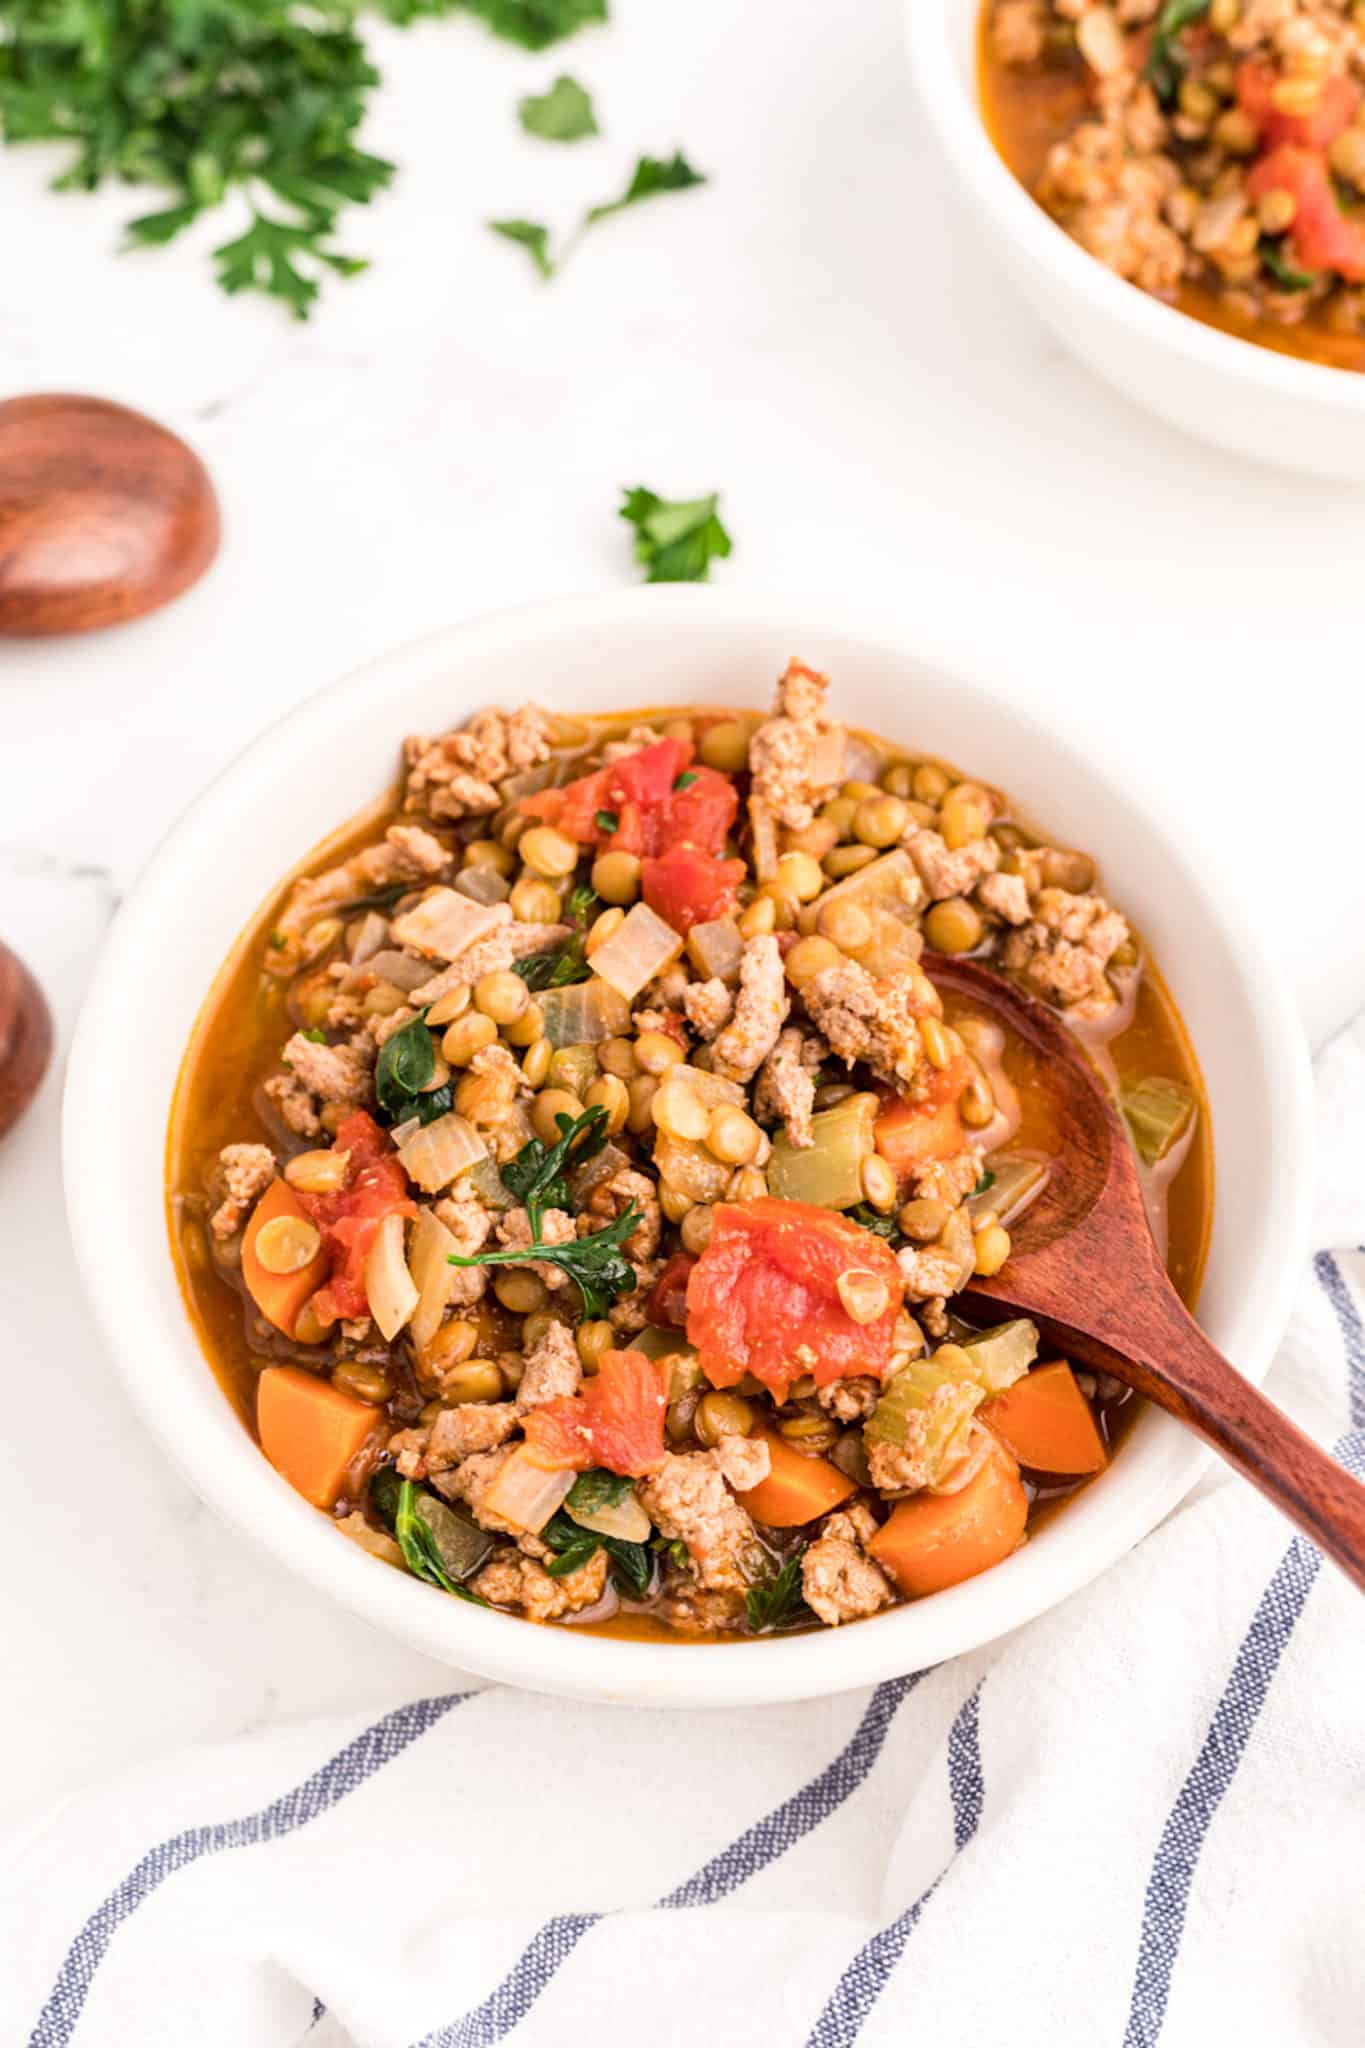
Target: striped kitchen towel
{"points": [[1138, 1821]]}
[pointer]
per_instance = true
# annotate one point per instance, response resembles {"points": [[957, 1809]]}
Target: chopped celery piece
{"points": [[1014, 1184], [925, 1409], [463, 1545], [1003, 1355], [828, 1171], [891, 894], [584, 1014], [486, 1180], [1158, 1112]]}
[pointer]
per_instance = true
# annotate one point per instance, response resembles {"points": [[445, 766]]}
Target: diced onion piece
{"points": [[432, 1274], [437, 1152], [715, 949], [1003, 1355], [763, 830], [462, 1544], [1014, 1184], [640, 947], [583, 1179], [387, 965], [584, 1014], [828, 1171], [891, 894], [444, 924], [627, 1520], [483, 885], [525, 1494], [388, 1283], [486, 1181], [374, 929]]}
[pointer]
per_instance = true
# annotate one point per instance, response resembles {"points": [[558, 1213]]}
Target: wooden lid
{"points": [[25, 1038]]}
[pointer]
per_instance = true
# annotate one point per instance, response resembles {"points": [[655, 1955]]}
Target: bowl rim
{"points": [[230, 1474], [954, 111]]}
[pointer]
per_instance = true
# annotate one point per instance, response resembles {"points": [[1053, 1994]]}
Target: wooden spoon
{"points": [[104, 515], [25, 1038], [1085, 1267]]}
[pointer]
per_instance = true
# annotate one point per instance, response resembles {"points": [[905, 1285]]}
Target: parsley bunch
{"points": [[210, 99]]}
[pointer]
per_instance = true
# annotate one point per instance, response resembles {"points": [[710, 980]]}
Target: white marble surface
{"points": [[816, 334]]}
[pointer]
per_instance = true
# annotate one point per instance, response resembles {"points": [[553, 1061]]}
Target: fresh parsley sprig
{"points": [[1165, 66], [597, 1265], [676, 539], [255, 101], [779, 1601], [405, 1065], [652, 178], [632, 1564], [559, 967], [537, 1176]]}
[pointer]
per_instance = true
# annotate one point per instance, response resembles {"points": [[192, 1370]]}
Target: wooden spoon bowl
{"points": [[1085, 1267], [104, 515], [25, 1038]]}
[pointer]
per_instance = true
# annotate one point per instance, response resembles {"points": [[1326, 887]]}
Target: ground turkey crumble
{"points": [[839, 1581]]}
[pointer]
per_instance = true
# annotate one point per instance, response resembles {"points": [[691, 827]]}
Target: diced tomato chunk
{"points": [[667, 1306], [1322, 236], [617, 1421], [635, 806], [1336, 108], [350, 1217], [910, 1133], [764, 1296], [685, 886]]}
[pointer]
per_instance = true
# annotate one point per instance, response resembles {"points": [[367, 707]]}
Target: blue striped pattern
{"points": [[1183, 1837], [343, 1774], [509, 2002], [863, 1982]]}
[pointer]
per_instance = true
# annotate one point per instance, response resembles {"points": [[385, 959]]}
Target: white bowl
{"points": [[648, 647], [1254, 401]]}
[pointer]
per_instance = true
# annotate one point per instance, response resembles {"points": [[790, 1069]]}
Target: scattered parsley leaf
{"points": [[597, 1265], [632, 1564], [532, 237], [535, 24], [378, 899], [537, 1175], [685, 780], [1165, 66], [563, 114], [678, 1554], [872, 1219], [405, 1065], [985, 1184], [607, 821], [317, 1035], [779, 1601], [559, 968], [652, 178], [1286, 274], [597, 1489], [676, 540], [581, 907]]}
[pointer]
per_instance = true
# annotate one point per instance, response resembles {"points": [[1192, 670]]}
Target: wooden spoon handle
{"points": [[1174, 1365]]}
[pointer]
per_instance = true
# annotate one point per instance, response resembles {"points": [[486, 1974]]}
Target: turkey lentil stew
{"points": [[573, 1171], [1210, 151]]}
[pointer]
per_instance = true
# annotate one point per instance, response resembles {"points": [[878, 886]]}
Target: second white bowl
{"points": [[1253, 401]]}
